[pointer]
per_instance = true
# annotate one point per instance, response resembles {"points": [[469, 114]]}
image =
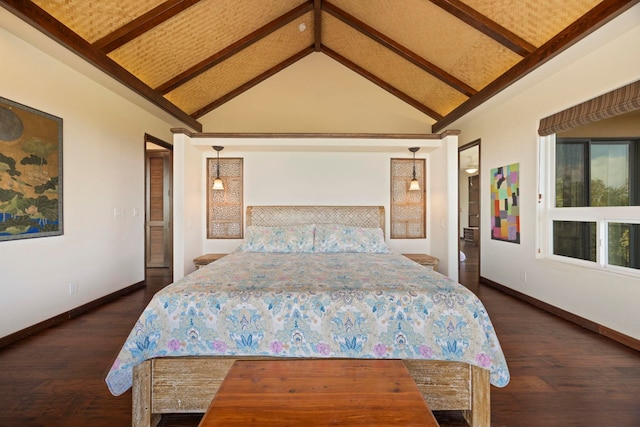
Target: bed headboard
{"points": [[276, 216]]}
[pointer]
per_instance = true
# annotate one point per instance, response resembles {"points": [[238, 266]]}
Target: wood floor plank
{"points": [[562, 374]]}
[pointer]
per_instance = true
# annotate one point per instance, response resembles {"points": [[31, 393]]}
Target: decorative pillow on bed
{"points": [[279, 239], [344, 238]]}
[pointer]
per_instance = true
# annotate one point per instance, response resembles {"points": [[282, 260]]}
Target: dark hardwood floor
{"points": [[561, 374], [469, 271]]}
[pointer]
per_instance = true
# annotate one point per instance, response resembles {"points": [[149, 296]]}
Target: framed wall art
{"points": [[224, 206], [505, 203], [408, 210], [30, 172]]}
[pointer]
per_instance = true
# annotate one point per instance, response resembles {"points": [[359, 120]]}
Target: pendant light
{"points": [[415, 185], [217, 183], [471, 167]]}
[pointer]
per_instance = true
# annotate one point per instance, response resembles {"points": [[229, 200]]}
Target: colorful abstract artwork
{"points": [[505, 203], [30, 172]]}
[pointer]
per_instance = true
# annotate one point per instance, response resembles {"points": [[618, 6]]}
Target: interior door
{"points": [[158, 210]]}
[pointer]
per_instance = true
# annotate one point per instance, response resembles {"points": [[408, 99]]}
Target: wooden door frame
{"points": [[157, 141], [475, 143]]}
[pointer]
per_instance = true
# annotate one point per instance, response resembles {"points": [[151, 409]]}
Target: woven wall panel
{"points": [[194, 35], [534, 20], [224, 207], [389, 67], [408, 208], [94, 19], [244, 66]]}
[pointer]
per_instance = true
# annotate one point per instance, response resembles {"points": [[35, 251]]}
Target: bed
{"points": [[310, 282]]}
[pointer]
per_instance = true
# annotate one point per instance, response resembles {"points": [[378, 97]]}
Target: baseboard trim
{"points": [[60, 318], [581, 321]]}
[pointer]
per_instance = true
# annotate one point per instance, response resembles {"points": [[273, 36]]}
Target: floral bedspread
{"points": [[348, 305]]}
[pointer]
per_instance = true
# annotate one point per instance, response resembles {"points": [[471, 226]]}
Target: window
{"points": [[589, 182], [594, 194], [623, 244], [595, 173]]}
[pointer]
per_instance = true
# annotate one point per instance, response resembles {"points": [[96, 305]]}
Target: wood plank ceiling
{"points": [[443, 57]]}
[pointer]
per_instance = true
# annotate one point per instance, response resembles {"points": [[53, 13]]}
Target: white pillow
{"points": [[279, 239], [344, 238]]}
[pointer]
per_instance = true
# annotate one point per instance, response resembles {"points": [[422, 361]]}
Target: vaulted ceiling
{"points": [[443, 57]]}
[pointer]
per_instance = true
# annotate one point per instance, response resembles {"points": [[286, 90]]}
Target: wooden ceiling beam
{"points": [[399, 50], [588, 23], [142, 24], [384, 85], [486, 26], [251, 83], [317, 24], [234, 48], [38, 18]]}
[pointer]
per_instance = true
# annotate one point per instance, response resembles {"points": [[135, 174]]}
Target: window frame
{"points": [[547, 213]]}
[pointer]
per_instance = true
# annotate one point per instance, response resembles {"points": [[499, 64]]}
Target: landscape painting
{"points": [[30, 172]]}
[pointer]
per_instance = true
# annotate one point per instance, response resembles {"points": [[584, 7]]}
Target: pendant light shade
{"points": [[471, 166], [415, 185], [217, 183]]}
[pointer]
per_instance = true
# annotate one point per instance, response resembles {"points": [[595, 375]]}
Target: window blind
{"points": [[619, 101]]}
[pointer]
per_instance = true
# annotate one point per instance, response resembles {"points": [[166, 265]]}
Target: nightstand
{"points": [[206, 259], [424, 260]]}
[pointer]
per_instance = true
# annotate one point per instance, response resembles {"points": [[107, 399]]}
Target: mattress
{"points": [[313, 305]]}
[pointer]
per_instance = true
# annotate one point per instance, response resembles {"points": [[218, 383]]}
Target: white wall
{"points": [[189, 174], [103, 169], [442, 200], [508, 126], [318, 176]]}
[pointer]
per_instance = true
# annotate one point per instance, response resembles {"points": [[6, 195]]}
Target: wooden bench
{"points": [[318, 392]]}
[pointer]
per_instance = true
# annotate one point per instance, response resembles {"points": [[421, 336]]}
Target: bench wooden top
{"points": [[318, 392]]}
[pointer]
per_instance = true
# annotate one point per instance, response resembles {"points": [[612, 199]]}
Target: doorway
{"points": [[469, 213], [158, 203]]}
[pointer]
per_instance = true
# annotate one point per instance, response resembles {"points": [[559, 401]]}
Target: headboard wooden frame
{"points": [[278, 216]]}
